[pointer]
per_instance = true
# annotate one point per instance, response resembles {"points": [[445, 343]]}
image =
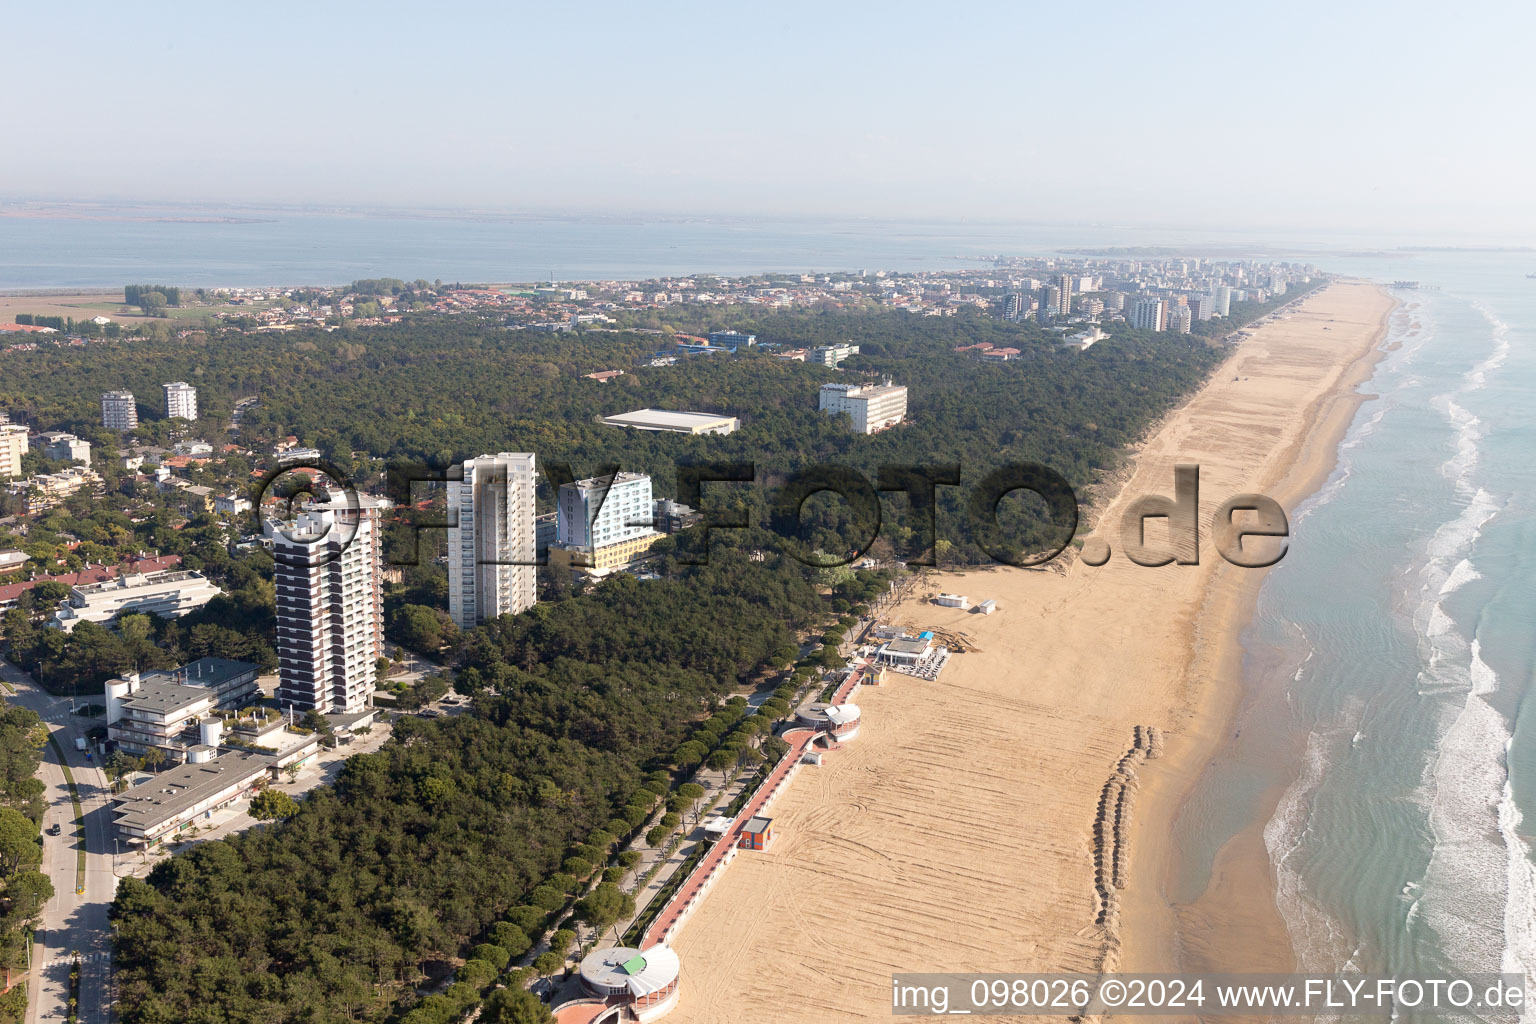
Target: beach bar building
{"points": [[642, 982], [904, 652], [953, 600], [837, 722]]}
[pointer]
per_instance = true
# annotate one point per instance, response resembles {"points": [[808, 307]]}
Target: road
{"points": [[72, 921]]}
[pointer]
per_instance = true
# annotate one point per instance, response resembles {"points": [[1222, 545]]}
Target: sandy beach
{"points": [[957, 833]]}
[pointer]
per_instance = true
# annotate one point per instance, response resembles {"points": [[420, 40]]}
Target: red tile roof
{"points": [[90, 574]]}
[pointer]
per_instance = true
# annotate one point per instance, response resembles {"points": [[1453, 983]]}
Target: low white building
{"points": [[872, 407], [231, 504], [170, 593], [832, 355], [675, 422]]}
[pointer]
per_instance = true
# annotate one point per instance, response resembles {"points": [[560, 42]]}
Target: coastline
{"points": [[1234, 925], [958, 833]]}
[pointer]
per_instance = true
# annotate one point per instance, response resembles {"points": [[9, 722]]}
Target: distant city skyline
{"points": [[1200, 114]]}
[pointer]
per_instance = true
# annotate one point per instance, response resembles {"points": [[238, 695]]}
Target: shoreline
{"points": [[960, 831], [1234, 925]]}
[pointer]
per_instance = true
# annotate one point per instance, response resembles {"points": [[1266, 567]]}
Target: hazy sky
{"points": [[1295, 114]]}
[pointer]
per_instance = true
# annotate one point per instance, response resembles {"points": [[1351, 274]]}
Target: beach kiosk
{"points": [[756, 834]]}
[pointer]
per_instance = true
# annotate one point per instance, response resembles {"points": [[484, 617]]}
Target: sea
{"points": [[1387, 744], [1388, 738]]}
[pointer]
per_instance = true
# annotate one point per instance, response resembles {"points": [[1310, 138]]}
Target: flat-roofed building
{"points": [[732, 339], [603, 524], [872, 407], [63, 447], [171, 801], [493, 542], [832, 355], [675, 422], [756, 833], [232, 683], [673, 517], [119, 411], [180, 401], [169, 594], [145, 713], [330, 625], [13, 445]]}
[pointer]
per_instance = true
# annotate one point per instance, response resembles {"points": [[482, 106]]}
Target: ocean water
{"points": [[1389, 664], [215, 247]]}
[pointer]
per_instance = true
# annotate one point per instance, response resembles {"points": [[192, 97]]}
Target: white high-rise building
{"points": [[1064, 297], [1180, 319], [588, 517], [1223, 304], [493, 514], [330, 623], [180, 401], [1150, 314], [13, 445], [873, 407], [119, 411]]}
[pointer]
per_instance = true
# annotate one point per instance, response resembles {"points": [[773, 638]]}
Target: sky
{"points": [[1301, 115]]}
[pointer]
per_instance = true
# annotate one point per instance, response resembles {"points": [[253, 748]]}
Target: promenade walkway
{"points": [[693, 889]]}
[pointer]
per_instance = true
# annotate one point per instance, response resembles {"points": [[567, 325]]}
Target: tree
{"points": [[515, 1006], [560, 942], [720, 761], [693, 793], [270, 804], [548, 964], [18, 841], [318, 724]]}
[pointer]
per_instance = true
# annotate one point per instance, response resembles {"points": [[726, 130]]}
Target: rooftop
{"points": [[210, 672], [907, 645], [181, 788], [129, 581], [162, 697], [663, 419], [624, 967]]}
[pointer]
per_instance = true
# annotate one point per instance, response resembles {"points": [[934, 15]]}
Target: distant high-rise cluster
{"points": [[180, 401], [119, 411]]}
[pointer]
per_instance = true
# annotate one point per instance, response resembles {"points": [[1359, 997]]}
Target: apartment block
{"points": [[119, 411], [493, 542], [180, 401], [330, 627], [13, 445]]}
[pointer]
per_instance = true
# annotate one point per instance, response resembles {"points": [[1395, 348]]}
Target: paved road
{"points": [[72, 921]]}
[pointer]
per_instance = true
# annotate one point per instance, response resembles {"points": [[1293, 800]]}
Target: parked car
{"points": [[55, 829]]}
